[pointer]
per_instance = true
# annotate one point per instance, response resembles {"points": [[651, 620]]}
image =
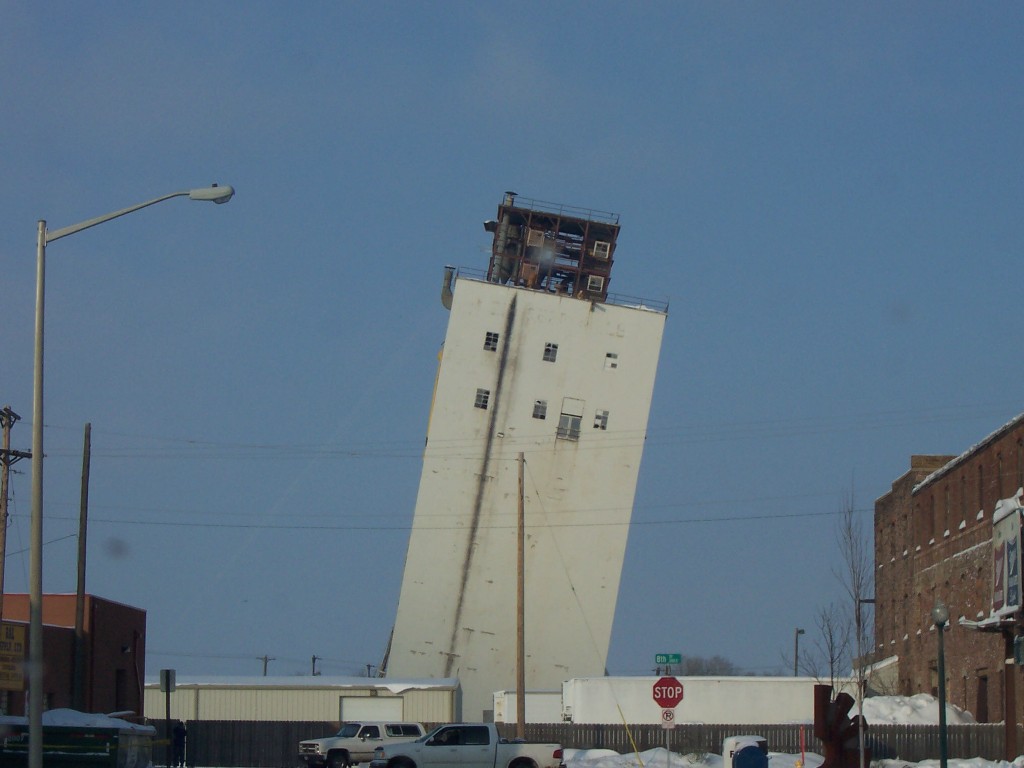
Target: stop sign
{"points": [[668, 692]]}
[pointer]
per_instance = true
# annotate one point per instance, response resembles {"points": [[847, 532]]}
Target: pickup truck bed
{"points": [[467, 745]]}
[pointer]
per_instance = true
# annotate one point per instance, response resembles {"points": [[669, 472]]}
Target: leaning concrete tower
{"points": [[540, 361]]}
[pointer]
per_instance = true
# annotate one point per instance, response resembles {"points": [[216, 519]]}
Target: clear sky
{"points": [[829, 195]]}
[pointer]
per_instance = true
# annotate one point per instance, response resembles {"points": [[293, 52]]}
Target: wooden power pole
{"points": [[520, 611], [7, 458], [78, 687]]}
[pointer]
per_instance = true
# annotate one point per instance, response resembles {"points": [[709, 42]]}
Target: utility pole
{"points": [[266, 660], [521, 608], [796, 650], [7, 458], [78, 687], [315, 659]]}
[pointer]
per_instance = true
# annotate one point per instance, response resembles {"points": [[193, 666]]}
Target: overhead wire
{"points": [[670, 434], [467, 450]]}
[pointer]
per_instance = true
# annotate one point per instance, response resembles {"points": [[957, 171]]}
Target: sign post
{"points": [[167, 685], [667, 693]]}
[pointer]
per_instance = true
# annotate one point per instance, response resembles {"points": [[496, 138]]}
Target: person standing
{"points": [[178, 740]]}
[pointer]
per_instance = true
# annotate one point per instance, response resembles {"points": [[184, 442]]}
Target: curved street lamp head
{"points": [[940, 614], [215, 193]]}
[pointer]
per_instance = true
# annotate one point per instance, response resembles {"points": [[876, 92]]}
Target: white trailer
{"points": [[739, 700], [541, 707]]}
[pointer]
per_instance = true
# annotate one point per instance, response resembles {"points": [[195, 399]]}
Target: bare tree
{"points": [[856, 575], [696, 666], [857, 578], [829, 648]]}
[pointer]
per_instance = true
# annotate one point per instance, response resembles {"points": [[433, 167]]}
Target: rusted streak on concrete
{"points": [[474, 524]]}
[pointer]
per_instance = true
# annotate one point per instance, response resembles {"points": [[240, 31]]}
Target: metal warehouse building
{"points": [[317, 698]]}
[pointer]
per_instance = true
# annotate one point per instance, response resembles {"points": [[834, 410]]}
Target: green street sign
{"points": [[668, 658]]}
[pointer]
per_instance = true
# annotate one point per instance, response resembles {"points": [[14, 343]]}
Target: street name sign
{"points": [[668, 658]]}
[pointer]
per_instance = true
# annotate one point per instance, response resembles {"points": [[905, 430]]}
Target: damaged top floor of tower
{"points": [[552, 247]]}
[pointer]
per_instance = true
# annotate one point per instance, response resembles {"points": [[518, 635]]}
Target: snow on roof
{"points": [[75, 719], [970, 451], [394, 685], [881, 664], [1006, 507], [998, 621]]}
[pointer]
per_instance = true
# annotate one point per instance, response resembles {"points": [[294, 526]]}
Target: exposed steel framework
{"points": [[551, 247]]}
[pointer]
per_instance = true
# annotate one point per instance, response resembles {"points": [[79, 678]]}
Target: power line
{"points": [[409, 526], [412, 449]]}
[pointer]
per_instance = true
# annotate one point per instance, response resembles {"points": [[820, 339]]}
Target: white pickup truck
{"points": [[355, 743], [467, 745]]}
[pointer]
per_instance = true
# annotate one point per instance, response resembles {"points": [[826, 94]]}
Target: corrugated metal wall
{"points": [[300, 704]]}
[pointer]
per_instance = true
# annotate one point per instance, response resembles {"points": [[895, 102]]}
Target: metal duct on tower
{"points": [[446, 287]]}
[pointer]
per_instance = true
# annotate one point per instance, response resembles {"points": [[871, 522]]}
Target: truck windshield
{"points": [[349, 730], [429, 733]]}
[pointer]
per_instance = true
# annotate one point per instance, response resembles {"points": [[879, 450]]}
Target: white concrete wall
{"points": [[457, 610], [740, 700]]}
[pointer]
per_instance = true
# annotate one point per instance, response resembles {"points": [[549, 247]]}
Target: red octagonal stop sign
{"points": [[668, 692]]}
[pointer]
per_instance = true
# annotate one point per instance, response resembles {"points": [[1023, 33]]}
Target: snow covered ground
{"points": [[655, 758], [921, 709]]}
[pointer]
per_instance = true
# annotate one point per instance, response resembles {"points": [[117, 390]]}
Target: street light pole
{"points": [[214, 194], [940, 615], [796, 651], [860, 679]]}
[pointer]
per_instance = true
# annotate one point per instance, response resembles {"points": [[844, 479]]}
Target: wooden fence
{"points": [[911, 743], [244, 744]]}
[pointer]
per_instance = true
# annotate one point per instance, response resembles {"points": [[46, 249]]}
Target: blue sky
{"points": [[828, 194]]}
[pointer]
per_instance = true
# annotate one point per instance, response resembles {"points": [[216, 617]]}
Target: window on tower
{"points": [[491, 341], [611, 361], [540, 409], [482, 396], [601, 420], [569, 426], [550, 352], [570, 420]]}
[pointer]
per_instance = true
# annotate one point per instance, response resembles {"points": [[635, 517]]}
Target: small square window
{"points": [[601, 420], [482, 396], [491, 341], [540, 409], [550, 352], [611, 360]]}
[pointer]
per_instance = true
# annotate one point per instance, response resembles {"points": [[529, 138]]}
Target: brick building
{"points": [[934, 541], [114, 654]]}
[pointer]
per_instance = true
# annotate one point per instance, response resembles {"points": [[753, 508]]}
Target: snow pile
{"points": [[652, 758], [921, 709], [76, 719]]}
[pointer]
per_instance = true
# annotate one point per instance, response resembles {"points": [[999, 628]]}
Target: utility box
{"points": [[745, 752]]}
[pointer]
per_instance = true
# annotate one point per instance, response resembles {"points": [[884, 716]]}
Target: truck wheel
{"points": [[338, 761]]}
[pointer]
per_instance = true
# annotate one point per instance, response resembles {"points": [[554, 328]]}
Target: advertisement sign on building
{"points": [[12, 657], [1006, 554]]}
